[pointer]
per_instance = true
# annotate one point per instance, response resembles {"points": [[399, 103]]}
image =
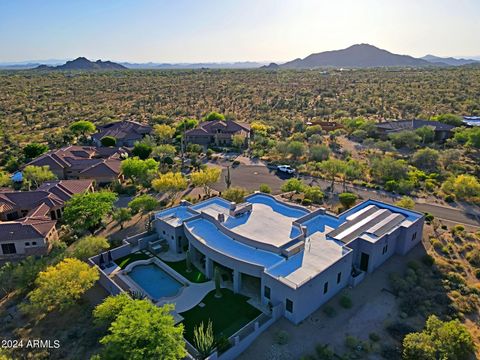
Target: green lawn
{"points": [[124, 261], [194, 276], [228, 314]]}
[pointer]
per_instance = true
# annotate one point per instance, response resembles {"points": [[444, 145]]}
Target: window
{"points": [[339, 277], [173, 237], [163, 232], [385, 249], [325, 287], [414, 236], [27, 244], [289, 305], [34, 243], [266, 292], [9, 249]]}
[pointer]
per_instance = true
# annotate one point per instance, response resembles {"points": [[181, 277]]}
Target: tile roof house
{"points": [[83, 162], [442, 131], [127, 132], [28, 218], [217, 133]]}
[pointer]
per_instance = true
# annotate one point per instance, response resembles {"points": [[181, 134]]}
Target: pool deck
{"points": [[189, 297]]}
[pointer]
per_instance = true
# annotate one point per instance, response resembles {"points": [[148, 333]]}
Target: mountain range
{"points": [[355, 56], [82, 63], [367, 56]]}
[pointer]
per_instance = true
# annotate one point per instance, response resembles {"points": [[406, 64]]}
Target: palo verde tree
{"points": [[144, 203], [139, 171], [86, 211], [88, 246], [60, 286], [170, 183], [205, 178]]}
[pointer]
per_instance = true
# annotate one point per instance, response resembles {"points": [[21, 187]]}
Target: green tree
{"points": [[235, 194], [347, 199], [142, 150], [296, 149], [206, 178], [426, 133], [203, 339], [439, 340], [60, 286], [427, 160], [34, 176], [293, 184], [465, 187], [89, 246], [387, 168], [214, 116], [406, 202], [170, 183], [83, 128], [332, 168], [142, 330], [449, 119], [352, 170], [143, 203], [405, 138], [108, 141], [86, 211], [139, 171], [121, 215], [107, 311], [319, 153], [33, 150]]}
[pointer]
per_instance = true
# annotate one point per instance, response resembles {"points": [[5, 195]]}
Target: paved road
{"points": [[250, 177]]}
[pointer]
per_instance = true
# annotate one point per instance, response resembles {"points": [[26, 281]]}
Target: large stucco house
{"points": [[286, 254], [217, 133], [126, 133]]}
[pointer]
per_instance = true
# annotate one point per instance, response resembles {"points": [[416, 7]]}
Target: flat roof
{"points": [[208, 233], [265, 225], [175, 216]]}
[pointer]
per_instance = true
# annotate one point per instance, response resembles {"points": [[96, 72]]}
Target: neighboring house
{"points": [[29, 236], [83, 162], [217, 133], [28, 218], [442, 131], [285, 254], [126, 133], [327, 125], [47, 201]]}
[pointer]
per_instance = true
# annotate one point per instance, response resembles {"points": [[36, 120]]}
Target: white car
{"points": [[286, 169]]}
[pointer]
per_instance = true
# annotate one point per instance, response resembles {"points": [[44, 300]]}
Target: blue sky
{"points": [[228, 30]]}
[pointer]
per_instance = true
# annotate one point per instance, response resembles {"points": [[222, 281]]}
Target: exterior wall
{"points": [[174, 235], [243, 267], [41, 248], [405, 243], [310, 296]]}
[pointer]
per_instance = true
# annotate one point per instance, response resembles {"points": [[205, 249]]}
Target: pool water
{"points": [[154, 281]]}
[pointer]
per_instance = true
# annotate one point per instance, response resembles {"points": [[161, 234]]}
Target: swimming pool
{"points": [[154, 281]]}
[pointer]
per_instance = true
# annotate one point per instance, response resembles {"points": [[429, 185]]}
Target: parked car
{"points": [[286, 169]]}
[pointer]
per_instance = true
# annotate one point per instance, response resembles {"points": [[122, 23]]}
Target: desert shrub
{"points": [[324, 352], [473, 257], [265, 188], [329, 311], [306, 202], [351, 342], [428, 260], [374, 337], [398, 330], [281, 337], [345, 302], [429, 217]]}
